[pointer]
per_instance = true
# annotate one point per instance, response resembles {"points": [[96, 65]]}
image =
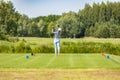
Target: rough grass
{"points": [[45, 45]]}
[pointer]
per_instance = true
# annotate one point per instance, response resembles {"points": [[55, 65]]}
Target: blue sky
{"points": [[34, 8]]}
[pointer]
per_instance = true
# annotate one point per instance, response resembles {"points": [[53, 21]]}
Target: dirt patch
{"points": [[62, 74]]}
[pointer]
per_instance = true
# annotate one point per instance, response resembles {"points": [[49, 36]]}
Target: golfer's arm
{"points": [[53, 31]]}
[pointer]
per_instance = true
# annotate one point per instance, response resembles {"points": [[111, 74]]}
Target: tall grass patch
{"points": [[46, 45], [90, 47]]}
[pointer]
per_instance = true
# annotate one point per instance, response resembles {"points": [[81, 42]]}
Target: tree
{"points": [[41, 27], [116, 12], [69, 25], [49, 29], [8, 19], [23, 25], [114, 31], [98, 20], [95, 13]]}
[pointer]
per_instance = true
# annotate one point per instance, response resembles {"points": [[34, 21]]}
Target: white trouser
{"points": [[57, 47]]}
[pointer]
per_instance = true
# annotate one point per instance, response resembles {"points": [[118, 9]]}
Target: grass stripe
{"points": [[31, 61], [66, 61], [71, 61], [50, 61], [115, 58], [12, 60]]}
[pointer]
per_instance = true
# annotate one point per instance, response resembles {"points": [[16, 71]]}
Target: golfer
{"points": [[56, 40]]}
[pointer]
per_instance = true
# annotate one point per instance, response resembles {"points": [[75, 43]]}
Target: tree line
{"points": [[99, 20]]}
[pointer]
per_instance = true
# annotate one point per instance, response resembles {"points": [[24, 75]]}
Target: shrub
{"points": [[23, 47], [4, 37], [90, 47], [4, 48], [43, 49]]}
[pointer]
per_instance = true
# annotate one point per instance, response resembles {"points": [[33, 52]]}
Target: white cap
{"points": [[59, 29]]}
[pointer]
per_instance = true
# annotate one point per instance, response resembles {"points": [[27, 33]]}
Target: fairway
{"points": [[63, 61], [64, 67]]}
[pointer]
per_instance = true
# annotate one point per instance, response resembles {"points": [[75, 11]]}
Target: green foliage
{"points": [[23, 47], [43, 49], [69, 25], [97, 20], [80, 47], [44, 24], [4, 48], [49, 29], [3, 37], [66, 46], [114, 31], [24, 27], [104, 30], [8, 19]]}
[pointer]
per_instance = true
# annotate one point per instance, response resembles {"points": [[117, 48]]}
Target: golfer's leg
{"points": [[55, 45], [58, 47]]}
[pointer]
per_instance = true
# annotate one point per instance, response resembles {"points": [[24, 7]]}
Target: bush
{"points": [[4, 48], [44, 49], [23, 47], [4, 37], [90, 47]]}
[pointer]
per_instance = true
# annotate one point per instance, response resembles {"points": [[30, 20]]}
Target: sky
{"points": [[35, 8]]}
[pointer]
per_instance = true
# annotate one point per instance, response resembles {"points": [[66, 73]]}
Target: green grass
{"points": [[14, 66], [41, 41], [63, 61], [64, 67], [45, 45]]}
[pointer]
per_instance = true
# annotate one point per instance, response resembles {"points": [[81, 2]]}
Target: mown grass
{"points": [[64, 67], [64, 61]]}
